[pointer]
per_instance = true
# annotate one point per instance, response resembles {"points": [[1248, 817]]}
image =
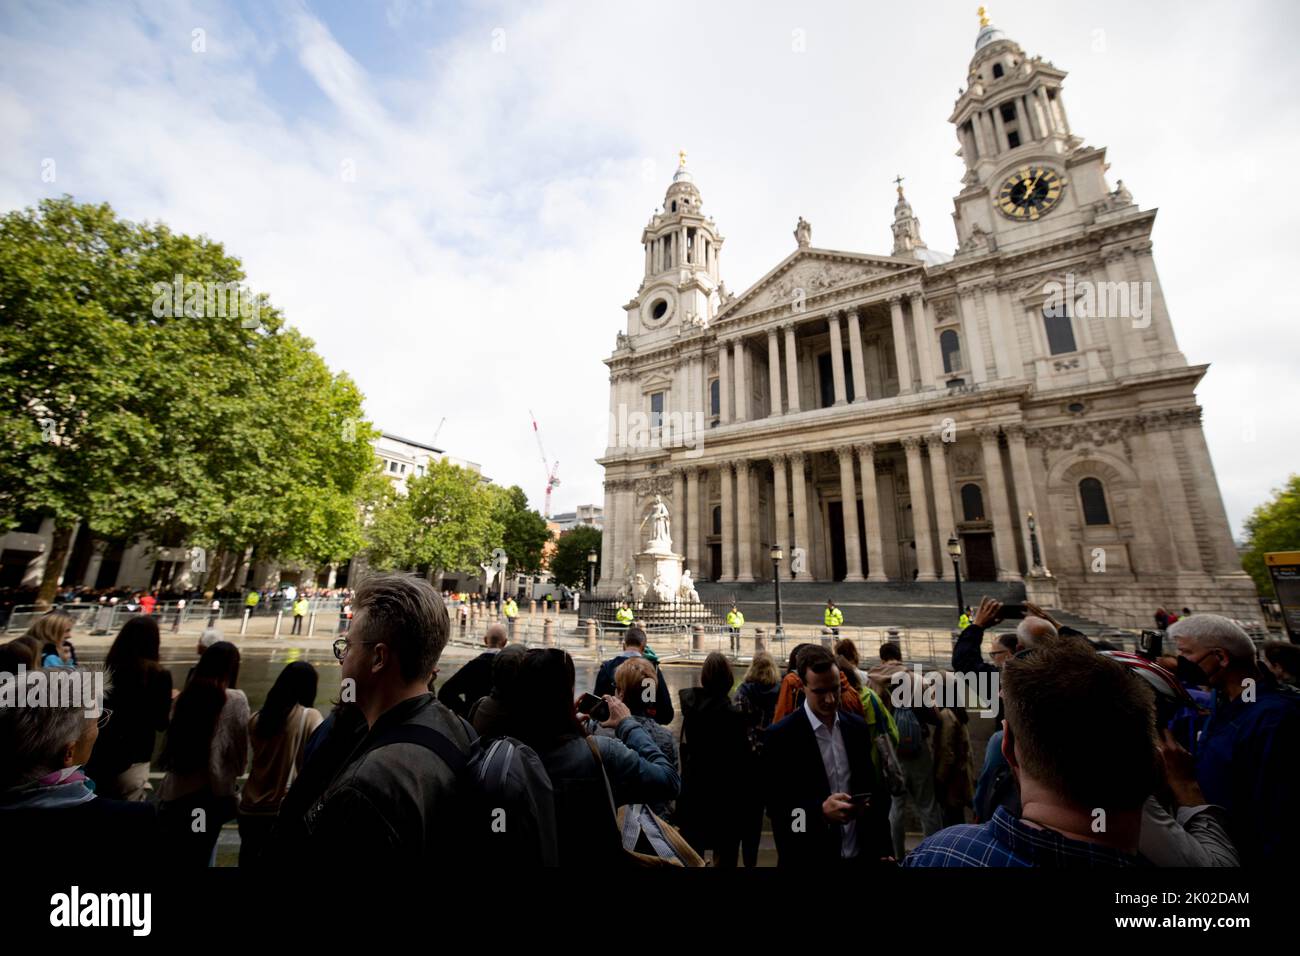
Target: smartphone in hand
{"points": [[594, 707]]}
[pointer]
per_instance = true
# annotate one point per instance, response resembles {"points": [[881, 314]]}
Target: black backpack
{"points": [[508, 799]]}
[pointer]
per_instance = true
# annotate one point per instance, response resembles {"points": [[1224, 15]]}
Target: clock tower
{"points": [[680, 287], [1028, 176]]}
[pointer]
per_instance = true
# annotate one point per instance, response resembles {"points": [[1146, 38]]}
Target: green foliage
{"points": [[445, 520], [1273, 526], [569, 563], [523, 532], [139, 420]]}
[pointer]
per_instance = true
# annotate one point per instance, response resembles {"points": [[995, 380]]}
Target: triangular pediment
{"points": [[815, 271]]}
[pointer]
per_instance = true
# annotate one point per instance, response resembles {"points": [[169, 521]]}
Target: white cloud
{"points": [[477, 265]]}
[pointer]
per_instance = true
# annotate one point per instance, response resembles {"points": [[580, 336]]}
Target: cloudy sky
{"points": [[448, 197]]}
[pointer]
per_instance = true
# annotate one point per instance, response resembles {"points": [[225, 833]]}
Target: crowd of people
{"points": [[1102, 758]]}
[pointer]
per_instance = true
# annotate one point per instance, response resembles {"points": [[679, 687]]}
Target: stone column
{"points": [[970, 334], [849, 510], [837, 358], [871, 513], [742, 381], [724, 383], [609, 569], [679, 511], [694, 557], [1026, 118], [1226, 558], [1045, 111], [998, 333], [728, 525], [744, 522], [920, 509], [999, 130], [999, 506], [900, 346], [1159, 315], [981, 146], [855, 356], [991, 135], [791, 370], [781, 504], [1118, 330], [799, 482], [1023, 477], [942, 495], [924, 343], [774, 371]]}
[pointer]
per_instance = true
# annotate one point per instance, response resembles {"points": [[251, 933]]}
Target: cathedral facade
{"points": [[1022, 401]]}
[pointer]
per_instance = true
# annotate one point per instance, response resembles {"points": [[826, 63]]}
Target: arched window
{"points": [[715, 398], [1060, 333], [997, 71], [717, 519], [972, 503], [1093, 497], [950, 346]]}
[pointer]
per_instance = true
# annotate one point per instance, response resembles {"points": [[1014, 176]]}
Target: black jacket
{"points": [[396, 803], [462, 689], [795, 780], [661, 711], [123, 833], [968, 658]]}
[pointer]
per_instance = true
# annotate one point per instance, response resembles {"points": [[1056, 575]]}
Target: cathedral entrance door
{"points": [[835, 518], [715, 561], [980, 563]]}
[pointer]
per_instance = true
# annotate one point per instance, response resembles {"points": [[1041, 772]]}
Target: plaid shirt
{"points": [[1006, 841]]}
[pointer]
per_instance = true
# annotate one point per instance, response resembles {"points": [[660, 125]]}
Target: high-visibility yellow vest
{"points": [[511, 609], [735, 618], [624, 615], [833, 617]]}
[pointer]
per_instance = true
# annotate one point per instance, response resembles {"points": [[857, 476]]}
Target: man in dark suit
{"points": [[826, 800], [661, 708], [474, 680]]}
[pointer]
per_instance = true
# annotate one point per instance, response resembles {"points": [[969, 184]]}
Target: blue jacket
{"points": [[662, 711], [1246, 763]]}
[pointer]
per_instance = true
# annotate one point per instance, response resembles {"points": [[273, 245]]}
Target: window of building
{"points": [[419, 470], [997, 71], [972, 503], [392, 467], [658, 309], [950, 347], [826, 373], [715, 398], [1093, 497], [403, 470], [1060, 331], [656, 409], [717, 519], [1013, 139], [674, 205], [1008, 113]]}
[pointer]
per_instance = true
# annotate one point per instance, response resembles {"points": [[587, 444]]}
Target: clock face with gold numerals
{"points": [[1030, 193]]}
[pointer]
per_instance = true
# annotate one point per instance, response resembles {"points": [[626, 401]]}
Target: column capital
{"points": [[935, 443], [866, 451], [778, 459], [988, 434], [912, 443], [742, 466], [844, 453], [798, 459], [1016, 431], [895, 299]]}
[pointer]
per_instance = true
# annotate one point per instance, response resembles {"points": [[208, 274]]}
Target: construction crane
{"points": [[439, 430], [552, 471]]}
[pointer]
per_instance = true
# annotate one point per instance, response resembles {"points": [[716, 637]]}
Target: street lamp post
{"points": [[954, 551], [592, 558], [1033, 542], [776, 584]]}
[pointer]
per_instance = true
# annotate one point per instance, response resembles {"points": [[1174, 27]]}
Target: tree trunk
{"points": [[214, 574], [59, 546]]}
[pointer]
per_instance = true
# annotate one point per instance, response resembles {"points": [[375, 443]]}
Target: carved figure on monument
{"points": [[663, 590], [686, 589], [660, 538], [640, 588]]}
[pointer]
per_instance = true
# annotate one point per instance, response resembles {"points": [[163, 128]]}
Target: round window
{"points": [[659, 309]]}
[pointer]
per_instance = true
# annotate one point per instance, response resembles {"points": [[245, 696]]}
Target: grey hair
{"points": [[35, 738], [1032, 630], [209, 637], [1212, 632]]}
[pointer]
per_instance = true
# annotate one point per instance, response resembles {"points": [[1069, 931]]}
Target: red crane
{"points": [[552, 471]]}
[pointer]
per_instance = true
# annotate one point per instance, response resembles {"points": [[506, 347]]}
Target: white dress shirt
{"points": [[835, 760]]}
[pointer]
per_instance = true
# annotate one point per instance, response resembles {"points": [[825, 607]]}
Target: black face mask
{"points": [[1190, 673]]}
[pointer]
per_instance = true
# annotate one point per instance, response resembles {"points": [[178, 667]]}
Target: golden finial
{"points": [[984, 17], [681, 158]]}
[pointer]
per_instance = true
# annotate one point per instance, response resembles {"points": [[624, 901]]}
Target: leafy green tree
{"points": [[569, 562], [524, 533], [1273, 526], [140, 412], [444, 521]]}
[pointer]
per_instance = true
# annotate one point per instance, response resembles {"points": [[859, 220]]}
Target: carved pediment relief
{"points": [[804, 276]]}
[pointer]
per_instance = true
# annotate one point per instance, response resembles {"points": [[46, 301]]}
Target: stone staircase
{"points": [[931, 604]]}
